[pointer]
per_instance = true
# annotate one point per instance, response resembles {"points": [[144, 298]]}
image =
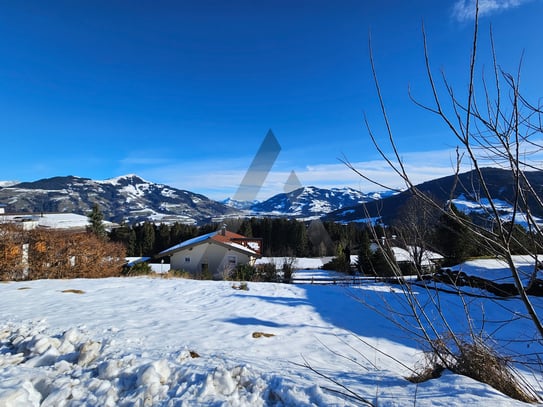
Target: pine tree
{"points": [[96, 222], [147, 239], [453, 238], [363, 262]]}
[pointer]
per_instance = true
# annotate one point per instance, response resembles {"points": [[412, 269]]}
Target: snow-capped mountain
{"points": [[466, 193], [240, 205], [313, 202], [128, 198]]}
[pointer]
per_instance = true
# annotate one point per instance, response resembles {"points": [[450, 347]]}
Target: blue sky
{"points": [[183, 93]]}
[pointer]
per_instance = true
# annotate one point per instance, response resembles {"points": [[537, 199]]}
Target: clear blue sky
{"points": [[183, 93]]}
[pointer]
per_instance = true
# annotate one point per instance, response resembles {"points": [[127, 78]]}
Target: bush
{"points": [[338, 264], [138, 269], [243, 272], [479, 362], [178, 274], [61, 254], [267, 272]]}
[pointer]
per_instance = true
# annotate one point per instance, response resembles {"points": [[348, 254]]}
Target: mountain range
{"points": [[465, 191], [128, 198], [131, 199], [312, 202]]}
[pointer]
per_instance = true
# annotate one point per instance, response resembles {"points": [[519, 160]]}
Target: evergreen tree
{"points": [[96, 222], [246, 228], [162, 238], [381, 262], [363, 262], [127, 236], [453, 237], [147, 239]]}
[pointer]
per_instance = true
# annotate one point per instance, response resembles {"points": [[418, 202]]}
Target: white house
{"points": [[215, 253], [429, 260]]}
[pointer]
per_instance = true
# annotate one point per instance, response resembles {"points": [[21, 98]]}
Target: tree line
{"points": [[418, 227], [281, 236]]}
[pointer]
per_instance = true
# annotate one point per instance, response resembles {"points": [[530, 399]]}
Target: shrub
{"points": [[287, 269], [178, 274], [267, 272], [479, 362], [138, 269], [243, 272], [338, 264]]}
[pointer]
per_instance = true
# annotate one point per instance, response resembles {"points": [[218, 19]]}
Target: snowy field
{"points": [[175, 342]]}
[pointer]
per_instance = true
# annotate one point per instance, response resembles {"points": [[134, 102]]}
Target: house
{"points": [[214, 254], [406, 258], [428, 259]]}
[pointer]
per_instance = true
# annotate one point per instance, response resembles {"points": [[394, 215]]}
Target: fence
{"points": [[345, 280]]}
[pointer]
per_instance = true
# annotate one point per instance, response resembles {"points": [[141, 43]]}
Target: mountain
{"points": [[132, 199], [466, 192], [309, 202], [128, 198], [241, 205]]}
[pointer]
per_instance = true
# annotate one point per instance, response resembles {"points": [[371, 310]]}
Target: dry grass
{"points": [[241, 286], [479, 362], [74, 291], [427, 373], [262, 334]]}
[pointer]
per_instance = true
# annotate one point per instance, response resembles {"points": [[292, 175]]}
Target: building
{"points": [[214, 254]]}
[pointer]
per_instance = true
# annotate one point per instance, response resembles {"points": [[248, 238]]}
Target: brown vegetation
{"points": [[262, 334], [73, 291], [38, 253]]}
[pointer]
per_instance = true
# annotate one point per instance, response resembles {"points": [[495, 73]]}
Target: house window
{"points": [[232, 260], [187, 259]]}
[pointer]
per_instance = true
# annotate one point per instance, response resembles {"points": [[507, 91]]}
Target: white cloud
{"points": [[464, 10], [220, 179]]}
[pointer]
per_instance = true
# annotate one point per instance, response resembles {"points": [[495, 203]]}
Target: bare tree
{"points": [[492, 124], [414, 228]]}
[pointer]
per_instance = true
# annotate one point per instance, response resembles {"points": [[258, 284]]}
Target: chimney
{"points": [[223, 230]]}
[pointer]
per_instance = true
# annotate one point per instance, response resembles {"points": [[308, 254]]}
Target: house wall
{"points": [[216, 257]]}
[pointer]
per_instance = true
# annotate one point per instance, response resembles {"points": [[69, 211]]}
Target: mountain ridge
{"points": [[499, 182], [126, 198], [130, 198]]}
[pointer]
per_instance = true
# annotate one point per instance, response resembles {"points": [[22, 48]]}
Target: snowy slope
{"points": [[53, 220], [174, 342], [128, 198], [484, 210], [313, 201]]}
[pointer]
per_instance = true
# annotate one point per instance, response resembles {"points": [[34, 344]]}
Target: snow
{"points": [[52, 220], [120, 179], [497, 270], [6, 184], [175, 342], [483, 207], [189, 242], [428, 257], [297, 263]]}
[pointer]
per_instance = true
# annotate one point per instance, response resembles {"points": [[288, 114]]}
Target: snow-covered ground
{"points": [[483, 207], [497, 270], [52, 220], [175, 342]]}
